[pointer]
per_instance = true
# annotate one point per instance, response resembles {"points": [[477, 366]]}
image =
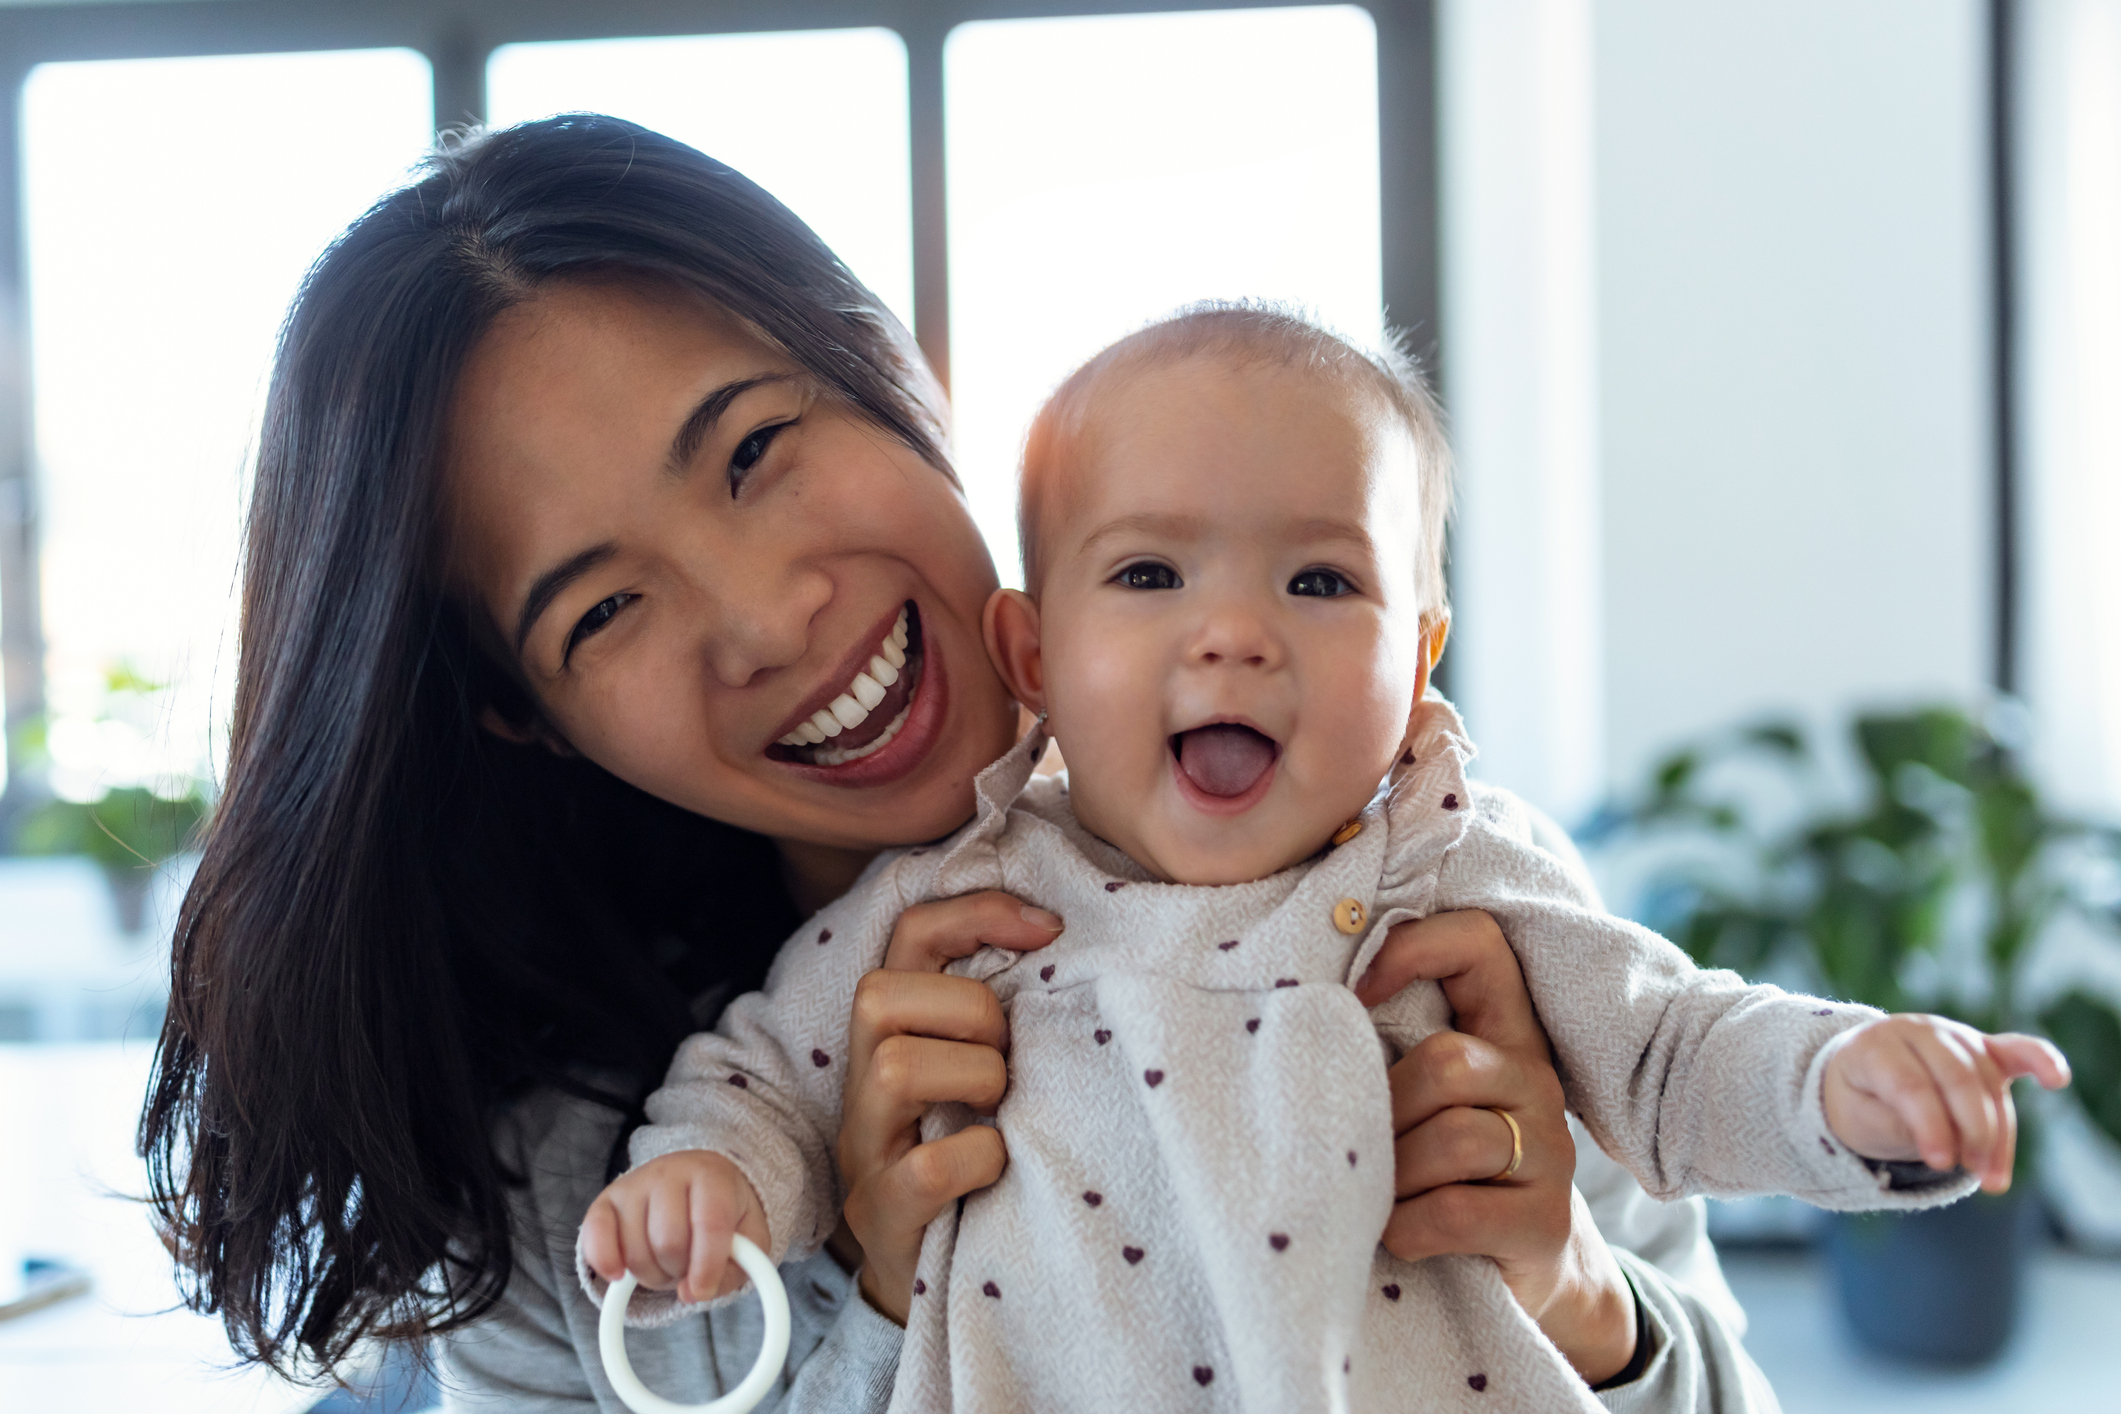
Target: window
{"points": [[1106, 170], [818, 118], [171, 208]]}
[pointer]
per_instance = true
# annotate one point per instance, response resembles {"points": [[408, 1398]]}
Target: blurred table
{"points": [[2067, 1354], [66, 1173]]}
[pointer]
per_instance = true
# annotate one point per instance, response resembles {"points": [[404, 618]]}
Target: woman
{"points": [[585, 466]]}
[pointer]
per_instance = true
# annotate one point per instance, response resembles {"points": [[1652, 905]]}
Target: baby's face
{"points": [[1230, 639]]}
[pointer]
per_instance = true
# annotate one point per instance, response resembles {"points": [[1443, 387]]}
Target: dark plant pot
{"points": [[1941, 1286], [129, 886]]}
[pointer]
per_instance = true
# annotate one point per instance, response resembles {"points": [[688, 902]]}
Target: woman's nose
{"points": [[759, 618]]}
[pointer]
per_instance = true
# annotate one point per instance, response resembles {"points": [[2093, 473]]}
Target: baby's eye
{"points": [[593, 622], [1148, 575], [1320, 584]]}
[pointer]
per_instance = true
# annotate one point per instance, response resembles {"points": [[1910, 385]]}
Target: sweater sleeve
{"points": [[764, 1087], [535, 1351], [1694, 1080]]}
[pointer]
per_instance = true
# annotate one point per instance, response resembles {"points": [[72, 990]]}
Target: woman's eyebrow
{"points": [[547, 586], [696, 427]]}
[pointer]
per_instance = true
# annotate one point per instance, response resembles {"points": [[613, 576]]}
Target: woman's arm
{"points": [[1541, 1232]]}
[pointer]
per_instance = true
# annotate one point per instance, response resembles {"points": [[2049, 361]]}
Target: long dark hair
{"points": [[400, 920]]}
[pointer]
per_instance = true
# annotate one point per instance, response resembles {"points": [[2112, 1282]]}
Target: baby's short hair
{"points": [[1248, 334]]}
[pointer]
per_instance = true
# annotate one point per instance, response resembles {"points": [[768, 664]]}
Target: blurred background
{"points": [[1783, 351]]}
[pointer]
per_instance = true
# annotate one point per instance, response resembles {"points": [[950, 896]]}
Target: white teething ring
{"points": [[611, 1342]]}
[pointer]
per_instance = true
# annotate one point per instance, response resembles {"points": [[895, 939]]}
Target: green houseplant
{"points": [[130, 827], [1932, 891]]}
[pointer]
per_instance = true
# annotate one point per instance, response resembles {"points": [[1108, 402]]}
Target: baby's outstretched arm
{"points": [[1924, 1087], [669, 1223]]}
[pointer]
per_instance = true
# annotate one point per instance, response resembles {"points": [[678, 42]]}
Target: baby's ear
{"points": [[1010, 626]]}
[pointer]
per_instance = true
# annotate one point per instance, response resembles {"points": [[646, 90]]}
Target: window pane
{"points": [[817, 117], [171, 207], [1106, 170]]}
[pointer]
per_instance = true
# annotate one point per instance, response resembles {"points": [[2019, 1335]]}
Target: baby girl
{"points": [[1232, 529]]}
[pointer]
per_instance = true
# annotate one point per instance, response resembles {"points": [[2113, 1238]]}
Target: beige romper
{"points": [[1198, 1123]]}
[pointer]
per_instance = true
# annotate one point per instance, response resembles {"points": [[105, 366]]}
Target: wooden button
{"points": [[1349, 915], [1347, 832]]}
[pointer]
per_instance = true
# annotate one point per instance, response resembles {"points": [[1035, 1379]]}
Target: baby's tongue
{"points": [[1224, 759]]}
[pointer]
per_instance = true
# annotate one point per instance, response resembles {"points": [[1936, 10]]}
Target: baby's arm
{"points": [[669, 1222], [740, 1134], [1698, 1082]]}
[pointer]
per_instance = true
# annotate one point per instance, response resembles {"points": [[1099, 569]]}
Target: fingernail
{"points": [[1048, 921], [1364, 980]]}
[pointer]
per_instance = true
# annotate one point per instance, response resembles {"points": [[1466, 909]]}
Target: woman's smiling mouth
{"points": [[870, 710]]}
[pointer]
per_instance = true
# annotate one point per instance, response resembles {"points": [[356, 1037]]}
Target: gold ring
{"points": [[1516, 1144]]}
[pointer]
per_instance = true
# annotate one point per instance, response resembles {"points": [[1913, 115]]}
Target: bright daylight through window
{"points": [[818, 118], [1105, 170], [171, 207]]}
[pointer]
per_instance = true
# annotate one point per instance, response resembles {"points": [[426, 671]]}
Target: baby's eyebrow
{"points": [[1331, 528], [1156, 524]]}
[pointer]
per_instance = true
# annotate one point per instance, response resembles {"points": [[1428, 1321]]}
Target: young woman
{"points": [[587, 473]]}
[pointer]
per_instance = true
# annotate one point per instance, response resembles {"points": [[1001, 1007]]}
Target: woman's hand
{"points": [[1452, 1147], [919, 1038]]}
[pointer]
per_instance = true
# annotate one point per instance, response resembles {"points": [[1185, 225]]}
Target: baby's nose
{"points": [[1234, 636]]}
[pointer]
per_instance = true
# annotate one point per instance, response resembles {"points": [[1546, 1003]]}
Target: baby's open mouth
{"points": [[1224, 758], [870, 710]]}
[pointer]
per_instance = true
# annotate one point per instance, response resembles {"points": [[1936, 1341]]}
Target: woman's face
{"points": [[692, 552]]}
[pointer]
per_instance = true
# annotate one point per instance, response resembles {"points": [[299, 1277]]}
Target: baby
{"points": [[1233, 541]]}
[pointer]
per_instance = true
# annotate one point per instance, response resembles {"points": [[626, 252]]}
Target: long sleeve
{"points": [[764, 1087], [1694, 1080], [536, 1351]]}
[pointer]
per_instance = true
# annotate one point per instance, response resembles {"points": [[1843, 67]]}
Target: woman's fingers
{"points": [[905, 1075], [898, 1200], [1451, 1068], [930, 935], [1460, 1145], [1466, 953], [1499, 1221], [926, 1004]]}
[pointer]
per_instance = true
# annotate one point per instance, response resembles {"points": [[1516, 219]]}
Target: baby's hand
{"points": [[1910, 1086], [668, 1222]]}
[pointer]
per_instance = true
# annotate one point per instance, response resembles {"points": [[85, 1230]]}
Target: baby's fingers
{"points": [[601, 1248], [706, 1248], [1903, 1084], [1977, 1098], [2029, 1055]]}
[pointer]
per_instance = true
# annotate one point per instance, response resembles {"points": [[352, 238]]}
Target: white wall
{"points": [[1793, 353], [1519, 322]]}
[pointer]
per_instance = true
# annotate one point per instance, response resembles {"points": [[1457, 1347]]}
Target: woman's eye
{"points": [[1147, 575], [593, 622], [1319, 584], [747, 455]]}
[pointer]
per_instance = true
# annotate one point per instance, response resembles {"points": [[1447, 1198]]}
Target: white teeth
{"points": [[852, 707], [841, 758]]}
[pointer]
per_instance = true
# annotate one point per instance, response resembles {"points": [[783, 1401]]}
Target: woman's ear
{"points": [[1010, 626], [531, 733]]}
